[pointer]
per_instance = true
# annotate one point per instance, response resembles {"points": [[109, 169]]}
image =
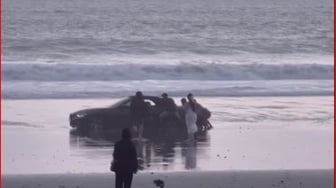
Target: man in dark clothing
{"points": [[139, 112], [125, 160], [167, 103], [168, 109]]}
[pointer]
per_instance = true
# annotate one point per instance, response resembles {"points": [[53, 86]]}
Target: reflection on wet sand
{"points": [[153, 152], [189, 152]]}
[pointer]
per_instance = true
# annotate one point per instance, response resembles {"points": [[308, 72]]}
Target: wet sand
{"points": [[211, 179], [37, 138]]}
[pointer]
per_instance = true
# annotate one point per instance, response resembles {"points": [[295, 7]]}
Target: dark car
{"points": [[118, 116]]}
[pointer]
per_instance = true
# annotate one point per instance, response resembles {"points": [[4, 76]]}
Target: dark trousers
{"points": [[123, 179]]}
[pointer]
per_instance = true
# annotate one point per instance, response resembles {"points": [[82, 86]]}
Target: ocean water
{"points": [[110, 48]]}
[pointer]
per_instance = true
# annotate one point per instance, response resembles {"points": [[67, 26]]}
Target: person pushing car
{"points": [[139, 112]]}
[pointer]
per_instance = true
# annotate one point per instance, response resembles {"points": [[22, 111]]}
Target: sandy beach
{"points": [[279, 134], [210, 179]]}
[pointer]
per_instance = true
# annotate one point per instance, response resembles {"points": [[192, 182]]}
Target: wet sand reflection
{"points": [[155, 152]]}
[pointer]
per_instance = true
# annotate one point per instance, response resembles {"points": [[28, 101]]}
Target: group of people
{"points": [[194, 113], [125, 162]]}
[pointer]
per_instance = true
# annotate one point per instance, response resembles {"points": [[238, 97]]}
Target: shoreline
{"points": [[232, 178]]}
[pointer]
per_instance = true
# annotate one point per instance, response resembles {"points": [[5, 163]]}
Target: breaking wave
{"points": [[183, 71]]}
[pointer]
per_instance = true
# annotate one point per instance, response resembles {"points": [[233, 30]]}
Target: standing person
{"points": [[168, 109], [203, 115], [183, 101], [190, 116], [139, 112], [124, 160]]}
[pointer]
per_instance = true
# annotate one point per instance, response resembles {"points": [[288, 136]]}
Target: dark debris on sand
{"points": [[159, 183]]}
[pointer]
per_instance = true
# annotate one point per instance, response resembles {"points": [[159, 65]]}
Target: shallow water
{"points": [[249, 133]]}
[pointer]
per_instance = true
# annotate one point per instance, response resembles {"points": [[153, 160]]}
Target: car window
{"points": [[126, 102], [154, 101], [151, 103]]}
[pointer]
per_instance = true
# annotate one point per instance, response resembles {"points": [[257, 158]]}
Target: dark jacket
{"points": [[125, 156], [168, 104], [139, 108]]}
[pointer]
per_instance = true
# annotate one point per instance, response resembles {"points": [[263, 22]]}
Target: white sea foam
{"points": [[183, 71], [108, 89]]}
